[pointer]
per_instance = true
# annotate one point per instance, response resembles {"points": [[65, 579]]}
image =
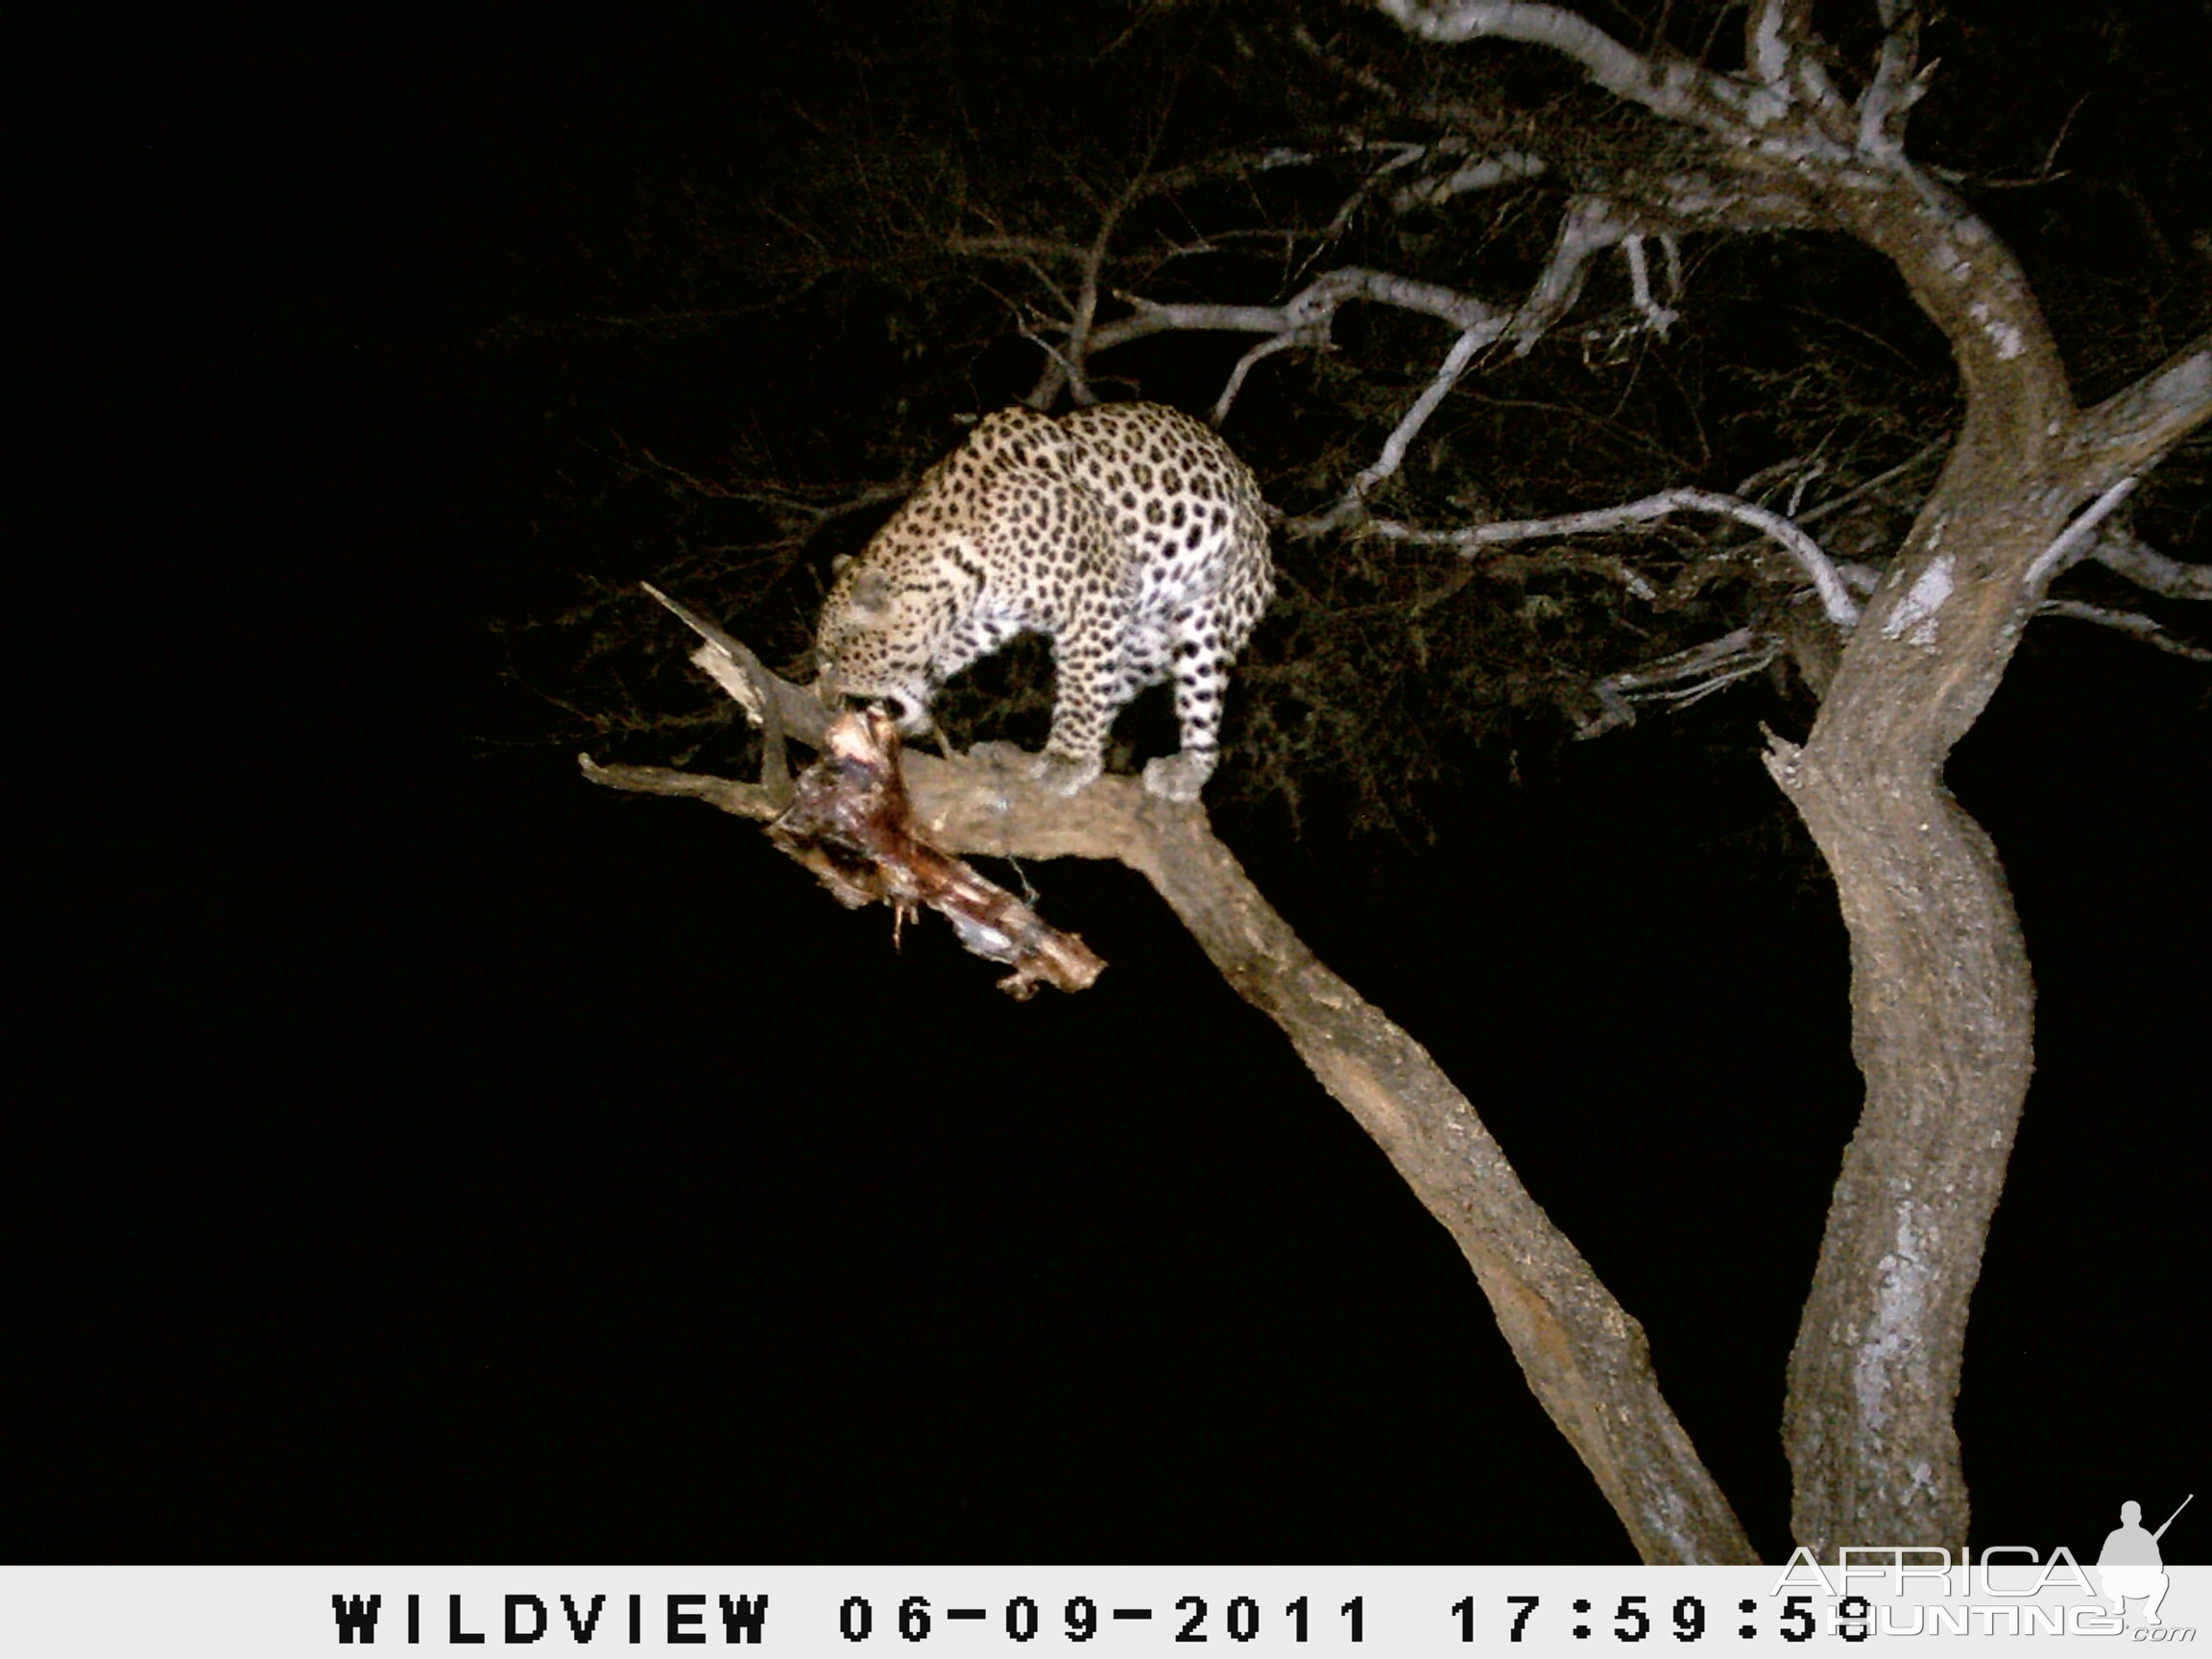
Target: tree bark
{"points": [[1943, 1025]]}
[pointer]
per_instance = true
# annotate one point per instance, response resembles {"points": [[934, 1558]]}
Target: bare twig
{"points": [[2072, 542], [1835, 595], [1489, 172], [761, 695], [2130, 622], [2143, 564], [732, 666], [1926, 453], [1684, 678], [1894, 88], [1590, 226]]}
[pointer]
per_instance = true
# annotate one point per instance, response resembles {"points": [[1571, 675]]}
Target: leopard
{"points": [[1129, 534]]}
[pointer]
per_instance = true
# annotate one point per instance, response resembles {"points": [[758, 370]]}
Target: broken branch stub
{"points": [[850, 822]]}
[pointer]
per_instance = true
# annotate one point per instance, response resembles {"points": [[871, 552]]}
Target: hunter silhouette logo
{"points": [[2129, 1565]]}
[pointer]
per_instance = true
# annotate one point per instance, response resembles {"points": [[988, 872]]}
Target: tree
{"points": [[1902, 643]]}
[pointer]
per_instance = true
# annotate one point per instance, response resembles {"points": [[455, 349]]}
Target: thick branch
{"points": [[1309, 309], [1895, 87], [1584, 1358], [1615, 67], [2134, 427], [1666, 84]]}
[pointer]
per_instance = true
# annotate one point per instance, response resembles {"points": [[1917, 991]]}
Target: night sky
{"points": [[434, 1157]]}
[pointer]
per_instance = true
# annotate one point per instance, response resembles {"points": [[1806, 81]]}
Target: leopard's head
{"points": [[873, 644]]}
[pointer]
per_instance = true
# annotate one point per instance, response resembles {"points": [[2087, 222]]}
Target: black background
{"points": [[428, 1156]]}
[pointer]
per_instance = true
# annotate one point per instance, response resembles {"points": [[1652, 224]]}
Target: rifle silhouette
{"points": [[2185, 1503]]}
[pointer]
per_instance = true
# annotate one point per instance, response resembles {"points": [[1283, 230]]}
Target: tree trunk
{"points": [[1942, 1001], [1942, 1022]]}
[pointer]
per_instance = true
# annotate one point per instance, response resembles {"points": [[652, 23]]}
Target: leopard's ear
{"points": [[870, 594], [838, 562]]}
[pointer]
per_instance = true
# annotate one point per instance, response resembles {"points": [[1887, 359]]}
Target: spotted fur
{"points": [[1128, 533]]}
